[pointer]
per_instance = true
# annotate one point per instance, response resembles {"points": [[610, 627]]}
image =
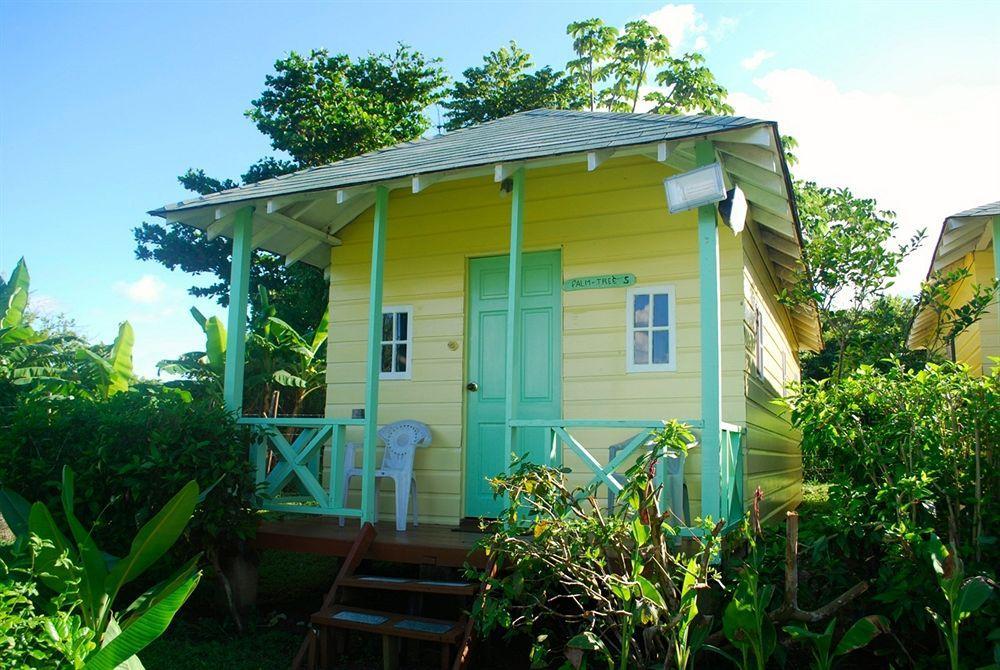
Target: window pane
{"points": [[661, 309], [401, 361], [386, 358], [401, 325], [387, 327], [640, 347], [661, 346], [640, 309]]}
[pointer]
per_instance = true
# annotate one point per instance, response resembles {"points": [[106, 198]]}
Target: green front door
{"points": [[539, 367]]}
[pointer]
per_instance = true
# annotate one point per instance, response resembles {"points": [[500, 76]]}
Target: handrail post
{"points": [[374, 355], [511, 378], [711, 347], [236, 318]]}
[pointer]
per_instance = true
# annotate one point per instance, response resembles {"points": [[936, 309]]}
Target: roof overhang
{"points": [[298, 216], [961, 234]]}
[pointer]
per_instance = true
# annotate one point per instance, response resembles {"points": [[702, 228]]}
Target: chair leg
{"points": [[413, 500], [402, 501], [343, 497]]}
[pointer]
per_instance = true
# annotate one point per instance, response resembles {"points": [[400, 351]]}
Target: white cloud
{"points": [[923, 155], [146, 290], [679, 23], [755, 60]]}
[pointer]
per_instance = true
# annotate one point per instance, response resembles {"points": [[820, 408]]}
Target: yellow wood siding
{"points": [[613, 220], [989, 325], [774, 456]]}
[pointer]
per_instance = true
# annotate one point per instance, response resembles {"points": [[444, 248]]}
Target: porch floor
{"points": [[426, 544]]}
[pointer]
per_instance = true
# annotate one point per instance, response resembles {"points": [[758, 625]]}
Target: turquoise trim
{"points": [[239, 289], [513, 313], [711, 347], [374, 360]]}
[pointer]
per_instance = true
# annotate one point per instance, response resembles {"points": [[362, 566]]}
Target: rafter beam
{"points": [[503, 171], [299, 252], [759, 136], [346, 194], [264, 233], [421, 182], [767, 180], [662, 152], [781, 243], [223, 222], [765, 200], [595, 158], [350, 211], [762, 158], [960, 237], [779, 224], [305, 229]]}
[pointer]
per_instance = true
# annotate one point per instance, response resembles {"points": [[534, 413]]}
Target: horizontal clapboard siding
{"points": [[613, 220]]}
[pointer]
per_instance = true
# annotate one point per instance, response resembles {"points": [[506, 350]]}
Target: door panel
{"points": [[538, 377]]}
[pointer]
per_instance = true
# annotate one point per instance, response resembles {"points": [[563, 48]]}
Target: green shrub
{"points": [[130, 453]]}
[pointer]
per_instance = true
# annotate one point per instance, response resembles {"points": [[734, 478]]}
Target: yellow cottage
{"points": [[551, 283], [967, 240]]}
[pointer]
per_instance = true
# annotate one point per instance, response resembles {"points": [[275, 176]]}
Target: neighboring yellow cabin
{"points": [[981, 341], [613, 220]]}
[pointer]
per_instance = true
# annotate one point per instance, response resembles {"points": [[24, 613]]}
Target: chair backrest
{"points": [[401, 439]]}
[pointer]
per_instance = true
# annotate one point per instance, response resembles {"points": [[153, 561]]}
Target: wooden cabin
{"points": [[967, 240], [521, 286]]}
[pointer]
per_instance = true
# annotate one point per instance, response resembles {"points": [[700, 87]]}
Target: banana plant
{"points": [[963, 596], [201, 368], [111, 374], [14, 300], [100, 576], [857, 636]]}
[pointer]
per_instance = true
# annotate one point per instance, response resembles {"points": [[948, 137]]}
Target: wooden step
{"points": [[390, 623], [436, 586]]}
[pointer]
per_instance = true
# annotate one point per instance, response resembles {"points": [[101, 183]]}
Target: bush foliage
{"points": [[130, 453]]}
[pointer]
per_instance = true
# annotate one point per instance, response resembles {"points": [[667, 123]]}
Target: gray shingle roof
{"points": [[534, 134], [991, 209]]}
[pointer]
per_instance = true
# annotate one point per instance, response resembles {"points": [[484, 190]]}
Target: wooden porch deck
{"points": [[427, 544]]}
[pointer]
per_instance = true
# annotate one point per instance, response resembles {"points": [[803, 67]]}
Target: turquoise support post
{"points": [[374, 356], [512, 376], [239, 289], [711, 347]]}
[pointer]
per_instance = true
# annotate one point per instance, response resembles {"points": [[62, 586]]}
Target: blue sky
{"points": [[104, 104]]}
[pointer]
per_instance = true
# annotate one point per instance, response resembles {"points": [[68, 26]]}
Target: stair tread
{"points": [[438, 586], [390, 623]]}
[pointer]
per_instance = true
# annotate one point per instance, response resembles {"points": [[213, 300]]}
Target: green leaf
{"points": [[322, 330], [162, 590], [198, 316], [215, 342], [650, 592], [286, 378], [95, 572], [861, 633], [121, 359], [145, 628], [639, 531], [15, 510], [155, 537], [587, 641], [972, 596], [14, 296], [41, 523]]}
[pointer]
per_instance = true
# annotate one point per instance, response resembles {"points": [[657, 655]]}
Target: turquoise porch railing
{"points": [[561, 436], [296, 481]]}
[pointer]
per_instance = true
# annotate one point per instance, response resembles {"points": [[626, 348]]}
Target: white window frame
{"points": [[398, 309], [630, 328]]}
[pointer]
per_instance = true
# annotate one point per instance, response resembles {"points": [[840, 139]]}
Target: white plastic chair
{"points": [[401, 440], [674, 487]]}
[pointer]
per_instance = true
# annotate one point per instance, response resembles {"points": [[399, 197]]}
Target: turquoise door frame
{"points": [[537, 373]]}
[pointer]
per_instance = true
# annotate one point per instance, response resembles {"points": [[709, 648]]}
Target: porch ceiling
{"points": [[298, 215], [961, 234]]}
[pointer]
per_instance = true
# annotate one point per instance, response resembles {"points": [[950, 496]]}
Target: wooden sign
{"points": [[599, 281]]}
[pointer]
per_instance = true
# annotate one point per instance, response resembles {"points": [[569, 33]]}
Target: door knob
{"points": [[472, 386]]}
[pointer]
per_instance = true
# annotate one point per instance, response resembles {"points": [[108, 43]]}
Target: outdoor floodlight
{"points": [[698, 187], [733, 209]]}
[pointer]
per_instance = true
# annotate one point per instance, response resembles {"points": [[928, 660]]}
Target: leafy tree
{"points": [[640, 48], [950, 320], [321, 108], [593, 42], [847, 248], [692, 88], [318, 108], [504, 85]]}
